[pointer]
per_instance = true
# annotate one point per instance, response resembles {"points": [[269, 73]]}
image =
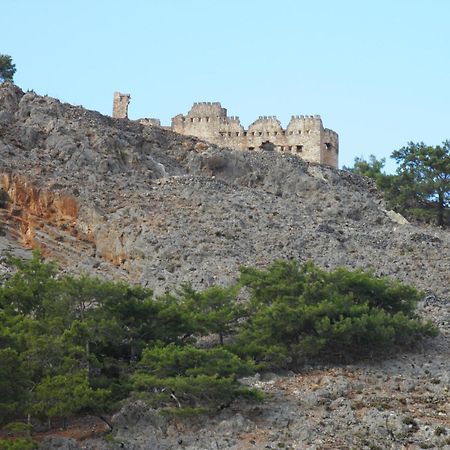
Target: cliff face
{"points": [[114, 198], [159, 208]]}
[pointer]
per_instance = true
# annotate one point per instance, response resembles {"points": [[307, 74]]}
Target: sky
{"points": [[378, 72]]}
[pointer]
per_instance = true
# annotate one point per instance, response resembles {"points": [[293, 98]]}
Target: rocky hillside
{"points": [[115, 198]]}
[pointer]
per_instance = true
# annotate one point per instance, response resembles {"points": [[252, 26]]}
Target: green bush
{"points": [[299, 312], [191, 376], [74, 345], [173, 360], [18, 444]]}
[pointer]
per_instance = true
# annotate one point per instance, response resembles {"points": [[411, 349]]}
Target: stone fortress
{"points": [[304, 136]]}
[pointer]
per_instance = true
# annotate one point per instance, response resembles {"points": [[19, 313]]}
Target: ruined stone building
{"points": [[120, 105], [304, 136]]}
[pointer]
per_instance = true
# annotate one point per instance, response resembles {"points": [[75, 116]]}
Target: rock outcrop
{"points": [[123, 200], [160, 208]]}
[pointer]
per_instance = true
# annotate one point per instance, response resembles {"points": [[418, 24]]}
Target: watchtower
{"points": [[120, 105]]}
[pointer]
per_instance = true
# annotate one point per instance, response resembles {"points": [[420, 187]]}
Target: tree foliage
{"points": [[63, 395], [7, 68], [421, 187], [70, 345], [425, 175], [192, 376], [18, 444], [302, 311]]}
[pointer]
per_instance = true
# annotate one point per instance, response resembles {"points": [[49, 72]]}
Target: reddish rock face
{"points": [[27, 208]]}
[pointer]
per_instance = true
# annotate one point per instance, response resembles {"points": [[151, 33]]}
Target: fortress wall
{"points": [[304, 136], [207, 109], [231, 125], [264, 129], [330, 146], [203, 120], [150, 121]]}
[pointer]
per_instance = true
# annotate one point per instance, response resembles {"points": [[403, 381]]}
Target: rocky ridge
{"points": [[122, 200]]}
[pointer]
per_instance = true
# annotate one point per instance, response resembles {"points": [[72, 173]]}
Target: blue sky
{"points": [[378, 72]]}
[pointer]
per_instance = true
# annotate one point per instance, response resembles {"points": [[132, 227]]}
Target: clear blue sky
{"points": [[378, 72]]}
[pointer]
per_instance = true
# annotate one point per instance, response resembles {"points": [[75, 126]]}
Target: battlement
{"points": [[304, 117], [205, 110], [304, 134], [207, 103]]}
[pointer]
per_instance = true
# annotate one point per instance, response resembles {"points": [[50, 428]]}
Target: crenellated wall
{"points": [[304, 136]]}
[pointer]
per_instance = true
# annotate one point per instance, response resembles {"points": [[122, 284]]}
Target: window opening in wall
{"points": [[291, 132], [253, 133], [260, 133], [207, 119], [299, 131], [245, 133], [327, 145], [299, 148], [237, 133], [192, 119], [229, 134], [308, 131], [275, 133], [267, 146], [251, 148]]}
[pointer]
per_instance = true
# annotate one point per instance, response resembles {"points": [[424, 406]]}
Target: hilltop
{"points": [[121, 200]]}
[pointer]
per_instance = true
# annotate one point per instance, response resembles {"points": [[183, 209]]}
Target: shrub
{"points": [[303, 311], [18, 444], [191, 376]]}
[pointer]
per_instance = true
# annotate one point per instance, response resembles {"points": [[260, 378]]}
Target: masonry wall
{"points": [[120, 105], [304, 136]]}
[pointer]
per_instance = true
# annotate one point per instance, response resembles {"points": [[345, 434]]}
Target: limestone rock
{"points": [[59, 443], [121, 200]]}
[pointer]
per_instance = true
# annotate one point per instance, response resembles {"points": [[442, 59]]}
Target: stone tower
{"points": [[120, 105]]}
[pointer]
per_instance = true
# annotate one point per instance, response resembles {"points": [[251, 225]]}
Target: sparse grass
{"points": [[412, 424], [440, 430], [426, 445]]}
